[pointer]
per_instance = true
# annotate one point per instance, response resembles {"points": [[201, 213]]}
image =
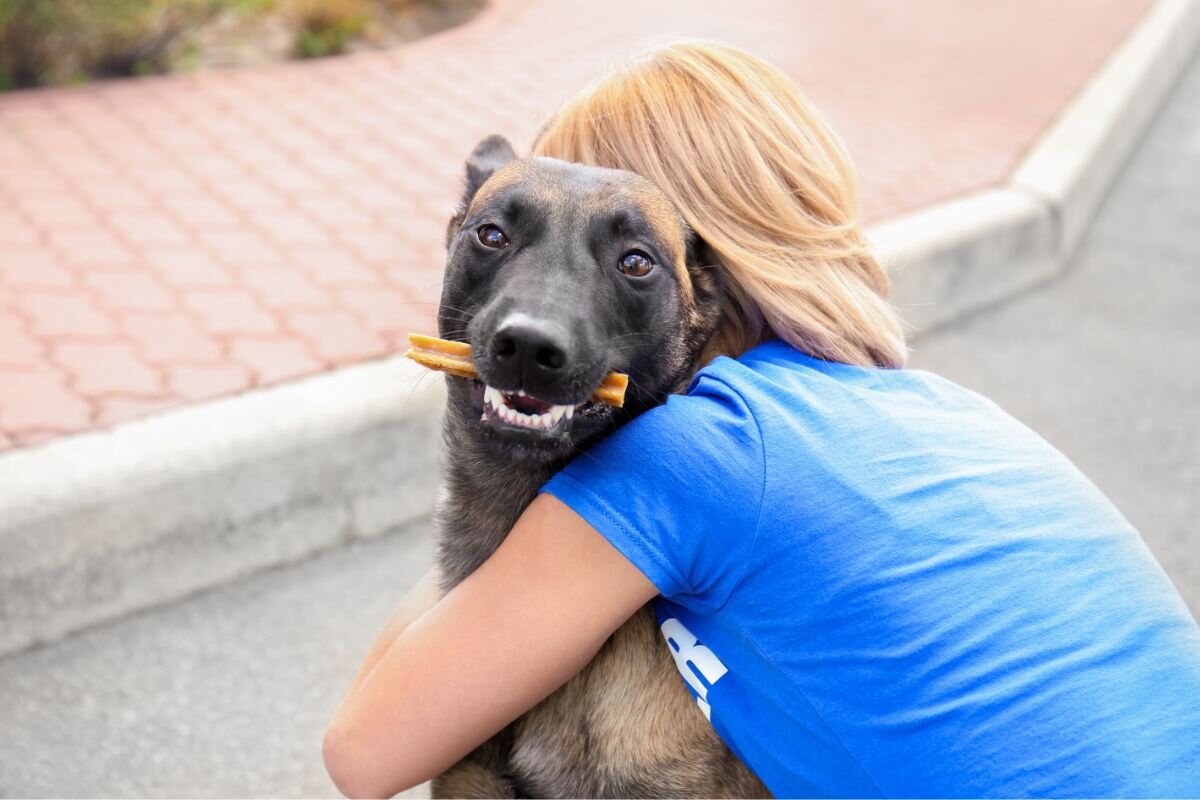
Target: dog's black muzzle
{"points": [[531, 354], [537, 371]]}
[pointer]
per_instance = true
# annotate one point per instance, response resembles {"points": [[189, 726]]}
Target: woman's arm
{"points": [[422, 597], [506, 637]]}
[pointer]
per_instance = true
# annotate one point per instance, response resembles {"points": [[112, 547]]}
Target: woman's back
{"points": [[877, 582]]}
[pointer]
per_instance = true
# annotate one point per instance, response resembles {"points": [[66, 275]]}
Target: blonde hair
{"points": [[762, 180]]}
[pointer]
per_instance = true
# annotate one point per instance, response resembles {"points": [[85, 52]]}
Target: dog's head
{"points": [[556, 274]]}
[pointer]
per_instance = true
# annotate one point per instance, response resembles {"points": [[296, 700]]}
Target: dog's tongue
{"points": [[526, 404]]}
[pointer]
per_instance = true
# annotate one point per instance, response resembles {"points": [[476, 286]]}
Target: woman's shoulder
{"points": [[777, 381], [823, 424]]}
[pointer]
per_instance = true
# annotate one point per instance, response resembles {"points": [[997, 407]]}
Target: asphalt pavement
{"points": [[223, 695]]}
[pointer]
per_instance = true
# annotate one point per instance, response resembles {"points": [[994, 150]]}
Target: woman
{"points": [[874, 581]]}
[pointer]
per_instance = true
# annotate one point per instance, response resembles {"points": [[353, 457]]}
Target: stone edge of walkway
{"points": [[100, 525]]}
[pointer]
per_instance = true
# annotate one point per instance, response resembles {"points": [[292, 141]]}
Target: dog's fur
{"points": [[625, 726]]}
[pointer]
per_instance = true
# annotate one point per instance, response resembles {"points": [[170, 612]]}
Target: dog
{"points": [[542, 261]]}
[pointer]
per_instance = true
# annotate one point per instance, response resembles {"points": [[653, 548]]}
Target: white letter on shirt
{"points": [[691, 658]]}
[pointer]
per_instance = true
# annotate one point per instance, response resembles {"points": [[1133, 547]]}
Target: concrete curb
{"points": [[99, 525], [956, 257]]}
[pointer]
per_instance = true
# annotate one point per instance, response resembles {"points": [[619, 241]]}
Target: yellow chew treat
{"points": [[441, 355], [455, 358], [612, 389]]}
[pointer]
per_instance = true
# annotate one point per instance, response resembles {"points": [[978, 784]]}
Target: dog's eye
{"points": [[635, 264], [491, 236]]}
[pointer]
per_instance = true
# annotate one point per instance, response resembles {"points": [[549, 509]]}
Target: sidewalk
{"points": [[170, 240]]}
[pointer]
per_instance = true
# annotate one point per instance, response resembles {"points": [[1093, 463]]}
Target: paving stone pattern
{"points": [[177, 239]]}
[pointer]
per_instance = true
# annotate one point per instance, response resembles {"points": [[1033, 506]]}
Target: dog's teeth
{"points": [[495, 406]]}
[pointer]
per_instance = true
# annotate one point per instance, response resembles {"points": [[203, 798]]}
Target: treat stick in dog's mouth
{"points": [[455, 358]]}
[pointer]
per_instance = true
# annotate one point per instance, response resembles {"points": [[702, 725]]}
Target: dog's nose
{"points": [[525, 351]]}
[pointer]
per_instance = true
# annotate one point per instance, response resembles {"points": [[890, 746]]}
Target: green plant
{"points": [[65, 41], [54, 41], [325, 27]]}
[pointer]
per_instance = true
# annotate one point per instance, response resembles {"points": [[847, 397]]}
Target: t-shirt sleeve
{"points": [[677, 491]]}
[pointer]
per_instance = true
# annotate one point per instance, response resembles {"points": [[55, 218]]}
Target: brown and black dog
{"points": [[557, 273]]}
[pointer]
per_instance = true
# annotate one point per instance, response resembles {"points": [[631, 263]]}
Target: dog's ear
{"points": [[704, 268], [708, 287], [485, 160]]}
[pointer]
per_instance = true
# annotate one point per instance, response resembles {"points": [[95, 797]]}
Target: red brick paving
{"points": [[169, 240]]}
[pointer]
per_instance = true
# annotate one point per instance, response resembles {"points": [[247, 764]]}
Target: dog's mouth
{"points": [[520, 410]]}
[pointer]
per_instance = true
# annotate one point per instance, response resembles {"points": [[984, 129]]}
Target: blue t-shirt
{"points": [[875, 582]]}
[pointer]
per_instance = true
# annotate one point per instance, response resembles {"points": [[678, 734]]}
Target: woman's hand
{"points": [[506, 637]]}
